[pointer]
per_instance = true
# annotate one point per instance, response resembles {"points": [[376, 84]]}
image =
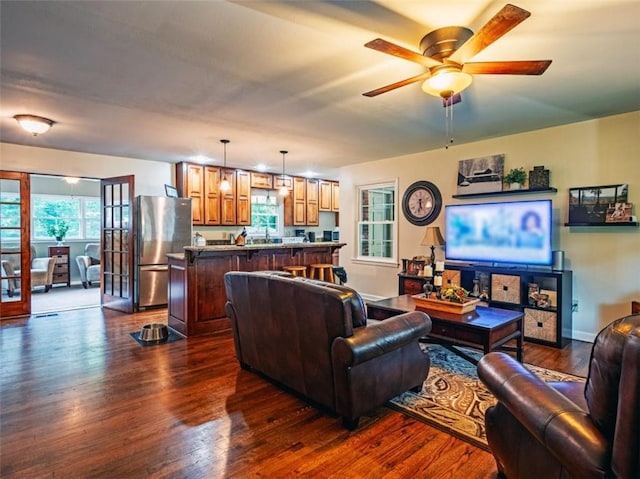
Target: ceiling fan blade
{"points": [[393, 86], [509, 17], [397, 51], [525, 67]]}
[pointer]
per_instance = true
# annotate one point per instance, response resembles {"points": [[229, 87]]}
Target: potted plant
{"points": [[516, 178], [58, 230]]}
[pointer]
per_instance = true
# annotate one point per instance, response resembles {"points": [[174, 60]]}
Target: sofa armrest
{"points": [[553, 419], [40, 263], [379, 338]]}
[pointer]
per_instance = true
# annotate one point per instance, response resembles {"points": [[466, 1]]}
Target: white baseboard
{"points": [[583, 336]]}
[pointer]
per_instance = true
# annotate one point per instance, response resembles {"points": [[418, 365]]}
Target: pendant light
{"points": [[283, 189], [225, 185]]}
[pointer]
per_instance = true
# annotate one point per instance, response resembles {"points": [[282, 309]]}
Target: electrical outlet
{"points": [[574, 306]]}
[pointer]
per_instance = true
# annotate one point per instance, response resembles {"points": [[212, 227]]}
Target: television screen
{"points": [[516, 232]]}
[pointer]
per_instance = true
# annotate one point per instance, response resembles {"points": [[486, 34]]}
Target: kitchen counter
{"points": [[196, 277]]}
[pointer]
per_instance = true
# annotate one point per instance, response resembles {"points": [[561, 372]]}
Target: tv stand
{"points": [[507, 287]]}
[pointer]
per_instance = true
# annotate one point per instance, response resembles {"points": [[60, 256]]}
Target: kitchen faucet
{"points": [[267, 238]]}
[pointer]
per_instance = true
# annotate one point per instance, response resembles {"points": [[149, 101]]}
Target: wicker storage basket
{"points": [[505, 288]]}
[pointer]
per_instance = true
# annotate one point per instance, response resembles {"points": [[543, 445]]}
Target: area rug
{"points": [[453, 399]]}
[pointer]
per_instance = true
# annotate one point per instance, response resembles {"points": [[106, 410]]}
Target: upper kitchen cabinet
{"points": [[190, 183], [325, 195], [212, 195], [280, 181], [335, 196], [243, 197], [228, 198], [295, 204], [261, 180], [312, 203]]}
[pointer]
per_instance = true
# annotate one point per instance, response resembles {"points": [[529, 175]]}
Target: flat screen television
{"points": [[517, 232]]}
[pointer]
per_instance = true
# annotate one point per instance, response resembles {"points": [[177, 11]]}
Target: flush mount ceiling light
{"points": [[225, 185], [35, 125], [283, 189]]}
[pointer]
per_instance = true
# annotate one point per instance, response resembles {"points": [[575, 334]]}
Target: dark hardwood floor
{"points": [[81, 399]]}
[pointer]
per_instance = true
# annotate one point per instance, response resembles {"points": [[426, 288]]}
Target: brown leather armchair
{"points": [[569, 429], [313, 337]]}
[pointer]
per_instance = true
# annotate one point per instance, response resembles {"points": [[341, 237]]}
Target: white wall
{"points": [[150, 176], [605, 261]]}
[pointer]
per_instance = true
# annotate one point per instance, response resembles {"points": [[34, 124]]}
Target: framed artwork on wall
{"points": [[597, 204], [480, 175]]}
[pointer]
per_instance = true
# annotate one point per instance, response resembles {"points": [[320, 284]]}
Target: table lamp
{"points": [[432, 237]]}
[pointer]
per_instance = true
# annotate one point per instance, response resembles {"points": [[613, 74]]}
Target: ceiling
{"points": [[167, 80]]}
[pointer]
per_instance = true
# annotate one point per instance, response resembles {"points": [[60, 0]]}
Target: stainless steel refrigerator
{"points": [[163, 225]]}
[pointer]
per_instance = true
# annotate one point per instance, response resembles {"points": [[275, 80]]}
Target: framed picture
{"points": [[591, 204], [618, 212], [171, 191], [480, 175]]}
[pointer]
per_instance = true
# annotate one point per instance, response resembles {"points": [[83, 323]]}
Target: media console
{"points": [[547, 320]]}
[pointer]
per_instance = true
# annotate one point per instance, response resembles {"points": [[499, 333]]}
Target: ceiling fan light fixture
{"points": [[446, 82], [34, 124]]}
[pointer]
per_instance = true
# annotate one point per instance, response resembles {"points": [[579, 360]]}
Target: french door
{"points": [[15, 252], [117, 200]]}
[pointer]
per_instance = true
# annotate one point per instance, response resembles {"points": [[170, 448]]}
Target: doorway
{"points": [[71, 205]]}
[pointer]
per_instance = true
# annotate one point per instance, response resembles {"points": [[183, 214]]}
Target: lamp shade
{"points": [[432, 237], [446, 81]]}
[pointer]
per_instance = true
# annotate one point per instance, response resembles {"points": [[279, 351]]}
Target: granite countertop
{"points": [[254, 247], [232, 247]]}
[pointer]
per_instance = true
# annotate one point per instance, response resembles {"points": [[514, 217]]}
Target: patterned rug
{"points": [[453, 399]]}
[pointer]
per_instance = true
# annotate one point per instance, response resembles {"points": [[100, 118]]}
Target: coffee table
{"points": [[485, 328]]}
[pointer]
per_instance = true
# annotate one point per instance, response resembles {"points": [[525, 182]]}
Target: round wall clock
{"points": [[421, 203]]}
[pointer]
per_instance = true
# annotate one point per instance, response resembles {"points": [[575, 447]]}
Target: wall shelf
{"points": [[507, 192], [619, 223]]}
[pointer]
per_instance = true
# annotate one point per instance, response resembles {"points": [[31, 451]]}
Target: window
{"points": [[377, 229], [265, 214], [81, 213]]}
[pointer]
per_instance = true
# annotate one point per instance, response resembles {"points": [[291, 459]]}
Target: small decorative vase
{"points": [[59, 240]]}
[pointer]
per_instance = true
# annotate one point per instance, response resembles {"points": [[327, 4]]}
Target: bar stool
{"points": [[296, 270], [321, 269]]}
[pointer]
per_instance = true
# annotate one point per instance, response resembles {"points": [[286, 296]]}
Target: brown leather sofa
{"points": [[569, 429], [313, 338]]}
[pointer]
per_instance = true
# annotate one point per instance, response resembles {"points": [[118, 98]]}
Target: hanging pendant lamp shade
{"points": [[225, 185], [284, 191]]}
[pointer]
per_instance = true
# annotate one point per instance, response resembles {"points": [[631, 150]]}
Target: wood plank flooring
{"points": [[80, 398]]}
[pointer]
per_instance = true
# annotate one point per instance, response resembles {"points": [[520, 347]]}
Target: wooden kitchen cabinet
{"points": [[280, 181], [335, 196], [190, 184], [243, 198], [325, 195], [261, 180], [312, 203], [212, 195], [61, 272], [296, 203], [228, 198]]}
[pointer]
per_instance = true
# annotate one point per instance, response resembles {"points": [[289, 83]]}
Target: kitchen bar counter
{"points": [[196, 286]]}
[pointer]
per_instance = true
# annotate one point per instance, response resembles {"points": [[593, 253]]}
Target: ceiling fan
{"points": [[446, 51]]}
